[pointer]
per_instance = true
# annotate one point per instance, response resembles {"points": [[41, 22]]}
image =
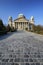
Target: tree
{"points": [[2, 28], [8, 28], [1, 25], [34, 28], [38, 29]]}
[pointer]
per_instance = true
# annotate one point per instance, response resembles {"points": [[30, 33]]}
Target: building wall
{"points": [[21, 23]]}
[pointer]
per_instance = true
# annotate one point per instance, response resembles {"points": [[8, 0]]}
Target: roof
{"points": [[26, 20]]}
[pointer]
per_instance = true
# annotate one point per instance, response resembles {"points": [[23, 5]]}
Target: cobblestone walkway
{"points": [[21, 48]]}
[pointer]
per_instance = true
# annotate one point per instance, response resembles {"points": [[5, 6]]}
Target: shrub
{"points": [[38, 29], [26, 28], [8, 28]]}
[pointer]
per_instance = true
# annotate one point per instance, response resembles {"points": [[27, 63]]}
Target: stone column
{"points": [[16, 25], [28, 25], [22, 25]]}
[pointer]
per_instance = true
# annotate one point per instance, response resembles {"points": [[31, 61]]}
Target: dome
{"points": [[20, 15], [32, 18], [10, 18]]}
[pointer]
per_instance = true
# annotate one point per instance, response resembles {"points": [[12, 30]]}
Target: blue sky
{"points": [[27, 7]]}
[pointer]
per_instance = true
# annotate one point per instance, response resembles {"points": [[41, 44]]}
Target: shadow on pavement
{"points": [[10, 33], [6, 35]]}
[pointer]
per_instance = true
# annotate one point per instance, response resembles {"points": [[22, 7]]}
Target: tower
{"points": [[32, 20], [31, 23], [10, 21]]}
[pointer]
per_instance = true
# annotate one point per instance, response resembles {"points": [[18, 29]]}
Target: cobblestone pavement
{"points": [[21, 48]]}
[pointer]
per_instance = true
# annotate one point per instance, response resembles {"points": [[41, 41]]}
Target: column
{"points": [[21, 24], [24, 25]]}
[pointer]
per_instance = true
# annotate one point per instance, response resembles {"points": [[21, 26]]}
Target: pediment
{"points": [[21, 20]]}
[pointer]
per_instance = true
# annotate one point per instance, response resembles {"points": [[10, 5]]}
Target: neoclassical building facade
{"points": [[21, 23]]}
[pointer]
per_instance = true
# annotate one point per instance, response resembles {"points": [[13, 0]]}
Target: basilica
{"points": [[21, 22]]}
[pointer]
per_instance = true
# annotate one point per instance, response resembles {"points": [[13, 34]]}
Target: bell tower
{"points": [[10, 21], [32, 20], [31, 23]]}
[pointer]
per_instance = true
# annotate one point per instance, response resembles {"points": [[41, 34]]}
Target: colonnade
{"points": [[21, 25]]}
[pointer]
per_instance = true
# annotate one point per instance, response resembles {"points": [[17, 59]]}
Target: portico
{"points": [[21, 25]]}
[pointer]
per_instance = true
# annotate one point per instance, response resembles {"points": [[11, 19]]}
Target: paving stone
{"points": [[8, 63], [5, 60], [27, 64], [37, 63], [0, 63], [17, 60], [32, 64], [22, 63], [35, 60], [41, 64], [26, 60], [31, 60], [10, 55], [10, 60], [26, 56], [21, 48], [3, 63]]}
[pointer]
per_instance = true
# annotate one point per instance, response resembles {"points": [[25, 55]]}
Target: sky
{"points": [[27, 7]]}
